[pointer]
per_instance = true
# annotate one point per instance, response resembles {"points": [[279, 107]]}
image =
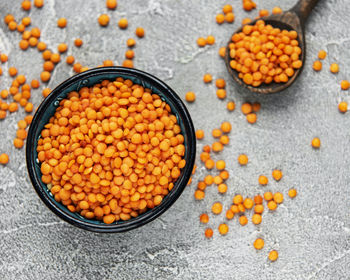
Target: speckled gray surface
{"points": [[311, 233]]}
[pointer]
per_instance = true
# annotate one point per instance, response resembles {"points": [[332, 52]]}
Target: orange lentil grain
{"points": [[277, 174], [259, 244], [208, 233]]}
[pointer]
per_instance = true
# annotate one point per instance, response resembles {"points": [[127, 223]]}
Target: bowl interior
{"points": [[90, 78]]}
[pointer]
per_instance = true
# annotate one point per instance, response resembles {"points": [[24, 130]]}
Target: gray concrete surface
{"points": [[311, 233]]}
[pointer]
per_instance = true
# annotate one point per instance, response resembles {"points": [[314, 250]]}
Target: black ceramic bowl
{"points": [[86, 79]]}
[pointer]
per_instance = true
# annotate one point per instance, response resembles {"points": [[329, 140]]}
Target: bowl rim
{"points": [[151, 214]]}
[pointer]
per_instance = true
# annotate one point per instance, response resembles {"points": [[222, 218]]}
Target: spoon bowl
{"points": [[294, 19]]}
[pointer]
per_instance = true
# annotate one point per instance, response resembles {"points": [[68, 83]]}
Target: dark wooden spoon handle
{"points": [[303, 9]]}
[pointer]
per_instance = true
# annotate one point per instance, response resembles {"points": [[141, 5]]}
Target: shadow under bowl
{"points": [[86, 79]]}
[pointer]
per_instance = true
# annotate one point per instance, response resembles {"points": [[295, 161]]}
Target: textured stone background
{"points": [[311, 233]]}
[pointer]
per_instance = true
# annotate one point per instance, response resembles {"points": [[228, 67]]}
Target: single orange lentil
{"points": [[13, 107], [227, 9], [243, 159], [28, 119], [129, 54], [103, 20], [204, 218], [190, 96], [230, 17], [259, 209], [246, 21], [268, 196], [292, 193], [199, 134], [41, 46], [2, 114], [208, 233], [217, 147], [78, 42], [216, 133], [12, 25], [12, 71], [221, 93], [123, 23], [55, 58], [243, 220], [26, 5], [46, 92], [220, 165], [62, 48], [128, 63], [263, 13], [4, 159], [29, 107], [229, 214], [248, 203], [208, 180], [39, 3], [199, 195], [273, 255], [21, 134], [210, 40], [201, 42], [277, 10], [220, 83], [263, 180], [222, 52], [111, 4], [259, 244], [130, 42], [47, 55], [140, 32], [278, 197], [334, 68], [237, 199], [316, 143], [45, 76], [70, 59], [317, 66], [207, 78], [256, 219], [220, 18], [33, 42], [344, 84], [343, 107], [3, 58], [26, 21], [23, 44], [230, 106], [222, 188], [62, 22], [272, 205], [223, 229], [226, 127], [251, 118], [322, 54], [35, 32], [34, 83], [246, 108], [18, 143], [4, 93], [277, 174], [216, 208]]}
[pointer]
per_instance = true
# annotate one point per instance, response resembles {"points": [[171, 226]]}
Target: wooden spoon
{"points": [[294, 19]]}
